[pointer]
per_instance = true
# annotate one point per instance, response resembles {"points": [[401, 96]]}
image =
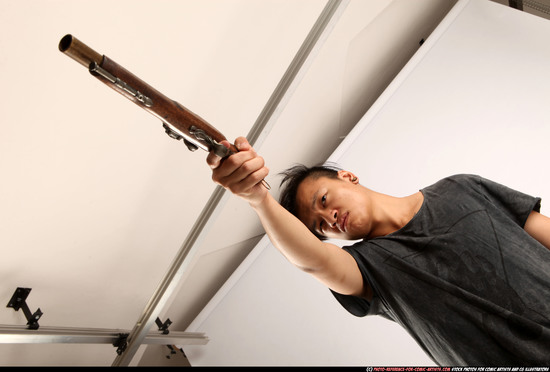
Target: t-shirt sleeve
{"points": [[361, 307], [357, 306], [514, 204]]}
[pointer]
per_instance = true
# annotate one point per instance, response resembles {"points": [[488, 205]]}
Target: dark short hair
{"points": [[293, 178]]}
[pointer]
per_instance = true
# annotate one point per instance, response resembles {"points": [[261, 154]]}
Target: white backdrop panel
{"points": [[474, 99]]}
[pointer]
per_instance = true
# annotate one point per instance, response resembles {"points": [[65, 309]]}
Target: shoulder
{"points": [[463, 178], [339, 270], [454, 188], [460, 181]]}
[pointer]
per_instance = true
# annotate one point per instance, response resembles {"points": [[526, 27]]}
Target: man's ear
{"points": [[348, 176]]}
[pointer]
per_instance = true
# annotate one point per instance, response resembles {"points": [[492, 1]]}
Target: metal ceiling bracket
{"points": [[121, 343], [174, 350], [18, 301], [163, 327]]}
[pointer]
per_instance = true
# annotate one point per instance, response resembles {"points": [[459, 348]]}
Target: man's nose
{"points": [[331, 217]]}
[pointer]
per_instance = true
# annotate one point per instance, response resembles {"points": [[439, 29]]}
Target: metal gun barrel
{"points": [[79, 51]]}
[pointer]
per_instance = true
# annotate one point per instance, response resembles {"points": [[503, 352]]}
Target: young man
{"points": [[463, 265]]}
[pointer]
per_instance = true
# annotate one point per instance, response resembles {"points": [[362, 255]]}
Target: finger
{"points": [[247, 168], [256, 178], [241, 143], [226, 170], [214, 160], [250, 182]]}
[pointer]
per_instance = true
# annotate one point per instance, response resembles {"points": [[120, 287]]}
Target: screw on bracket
{"points": [[18, 301]]}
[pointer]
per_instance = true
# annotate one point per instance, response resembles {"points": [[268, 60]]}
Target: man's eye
{"points": [[324, 199]]}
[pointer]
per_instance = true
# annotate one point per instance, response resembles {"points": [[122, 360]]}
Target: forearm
{"points": [[241, 174], [290, 236]]}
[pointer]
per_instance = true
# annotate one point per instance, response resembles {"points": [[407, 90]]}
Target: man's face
{"points": [[335, 208]]}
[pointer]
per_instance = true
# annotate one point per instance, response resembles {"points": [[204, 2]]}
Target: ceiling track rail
{"points": [[280, 96], [70, 335]]}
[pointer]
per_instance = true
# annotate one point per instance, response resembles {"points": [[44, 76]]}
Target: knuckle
{"points": [[232, 161], [247, 167], [216, 178]]}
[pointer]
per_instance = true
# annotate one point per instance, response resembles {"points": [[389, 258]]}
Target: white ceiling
{"points": [[96, 200]]}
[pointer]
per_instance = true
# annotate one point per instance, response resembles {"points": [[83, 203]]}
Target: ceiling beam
{"points": [[67, 335]]}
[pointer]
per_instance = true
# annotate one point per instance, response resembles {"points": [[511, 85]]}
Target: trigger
{"points": [[190, 146], [172, 134]]}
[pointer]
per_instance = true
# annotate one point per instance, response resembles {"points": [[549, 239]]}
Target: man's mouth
{"points": [[342, 224]]}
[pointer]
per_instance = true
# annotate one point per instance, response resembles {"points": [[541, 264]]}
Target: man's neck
{"points": [[393, 213]]}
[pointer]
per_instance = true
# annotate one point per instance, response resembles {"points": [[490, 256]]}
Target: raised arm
{"points": [[241, 173]]}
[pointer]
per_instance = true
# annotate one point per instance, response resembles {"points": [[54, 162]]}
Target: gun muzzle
{"points": [[79, 51]]}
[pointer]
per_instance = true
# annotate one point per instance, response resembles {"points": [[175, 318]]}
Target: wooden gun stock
{"points": [[179, 122]]}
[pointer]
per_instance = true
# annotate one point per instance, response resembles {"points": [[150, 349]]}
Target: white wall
{"points": [[474, 99]]}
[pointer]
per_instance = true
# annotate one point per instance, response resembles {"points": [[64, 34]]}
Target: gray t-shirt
{"points": [[463, 277]]}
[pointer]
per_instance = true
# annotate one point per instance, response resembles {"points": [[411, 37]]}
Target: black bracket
{"points": [[18, 301], [163, 326], [174, 350], [121, 343]]}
